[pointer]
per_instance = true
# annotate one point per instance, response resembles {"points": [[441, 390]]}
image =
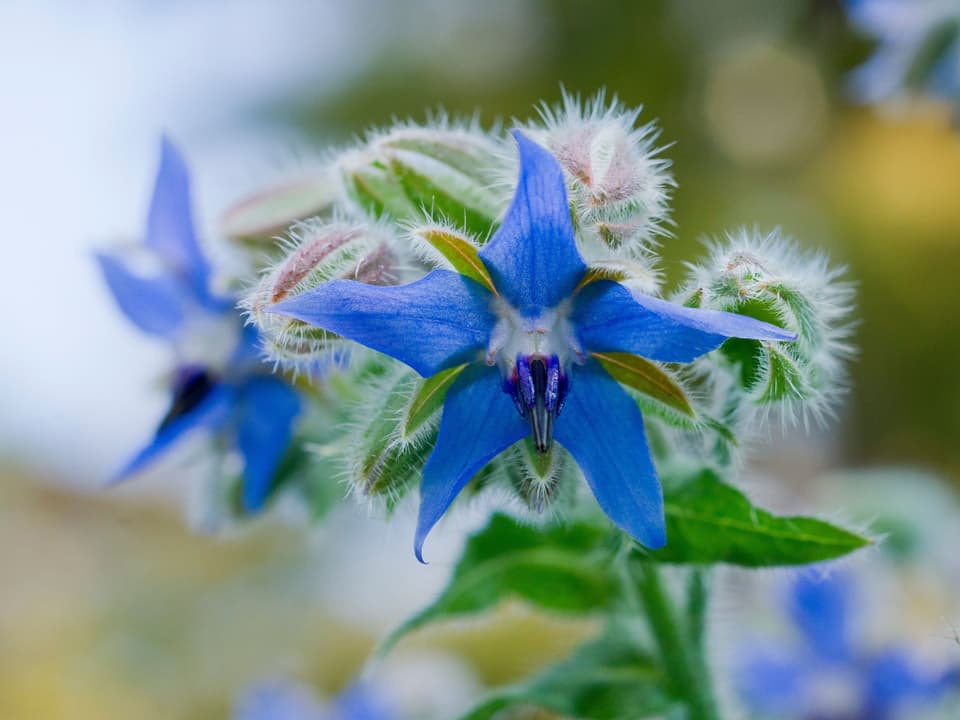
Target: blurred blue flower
{"points": [[280, 700], [829, 674], [526, 338], [918, 48], [219, 383]]}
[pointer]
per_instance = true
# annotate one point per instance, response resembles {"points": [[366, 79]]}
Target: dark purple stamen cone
{"points": [[538, 388]]}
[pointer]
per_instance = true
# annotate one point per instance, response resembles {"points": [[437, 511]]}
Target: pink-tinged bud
{"points": [[256, 219], [318, 251], [618, 185], [306, 258]]}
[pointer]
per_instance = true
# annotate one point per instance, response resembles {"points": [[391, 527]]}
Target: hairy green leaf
{"points": [[563, 568], [609, 678], [709, 521]]}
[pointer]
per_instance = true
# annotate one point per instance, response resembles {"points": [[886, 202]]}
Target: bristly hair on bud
{"points": [[769, 277], [408, 171], [313, 252], [618, 184]]}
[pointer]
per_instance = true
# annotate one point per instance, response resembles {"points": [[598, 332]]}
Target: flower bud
{"points": [[381, 460], [418, 172], [256, 219], [318, 251], [618, 186], [769, 278]]}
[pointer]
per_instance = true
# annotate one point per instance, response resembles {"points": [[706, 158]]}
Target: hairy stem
{"points": [[681, 648]]}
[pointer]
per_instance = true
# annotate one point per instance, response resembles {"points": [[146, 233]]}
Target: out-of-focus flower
{"points": [[829, 673], [219, 383], [523, 329], [918, 48], [283, 700]]}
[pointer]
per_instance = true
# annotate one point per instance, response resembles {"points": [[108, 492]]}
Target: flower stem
{"points": [[681, 648]]}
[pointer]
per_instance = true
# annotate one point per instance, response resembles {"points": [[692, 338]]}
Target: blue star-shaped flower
{"points": [[234, 395], [526, 341], [282, 700], [829, 675]]}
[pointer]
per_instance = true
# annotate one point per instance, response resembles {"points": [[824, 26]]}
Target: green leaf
{"points": [[459, 252], [709, 521], [648, 378], [609, 678], [563, 568]]}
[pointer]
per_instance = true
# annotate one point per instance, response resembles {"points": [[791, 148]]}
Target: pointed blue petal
{"points": [[439, 321], [773, 681], [602, 429], [268, 408], [479, 422], [210, 413], [893, 678], [609, 318], [170, 229], [155, 305], [533, 258], [820, 608]]}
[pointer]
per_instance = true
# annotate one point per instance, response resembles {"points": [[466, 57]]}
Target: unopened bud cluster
{"points": [[768, 277]]}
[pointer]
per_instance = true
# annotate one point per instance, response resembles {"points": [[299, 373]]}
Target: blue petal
{"points": [[439, 321], [602, 429], [268, 408], [210, 413], [278, 700], [533, 258], [479, 421], [362, 702], [170, 229], [892, 679], [771, 681], [609, 318], [154, 304], [819, 606]]}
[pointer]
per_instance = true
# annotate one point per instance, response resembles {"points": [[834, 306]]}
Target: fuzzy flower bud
{"points": [[318, 251], [618, 186], [409, 172], [768, 277], [256, 219]]}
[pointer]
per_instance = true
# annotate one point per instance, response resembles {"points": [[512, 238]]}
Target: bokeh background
{"points": [[112, 605]]}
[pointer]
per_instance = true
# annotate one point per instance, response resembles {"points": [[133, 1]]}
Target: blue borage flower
{"points": [[918, 48], [525, 340], [235, 396], [283, 700], [829, 675]]}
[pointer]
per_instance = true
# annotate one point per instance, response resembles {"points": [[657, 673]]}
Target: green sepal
{"points": [[648, 378], [459, 252], [426, 400], [441, 190], [376, 189]]}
